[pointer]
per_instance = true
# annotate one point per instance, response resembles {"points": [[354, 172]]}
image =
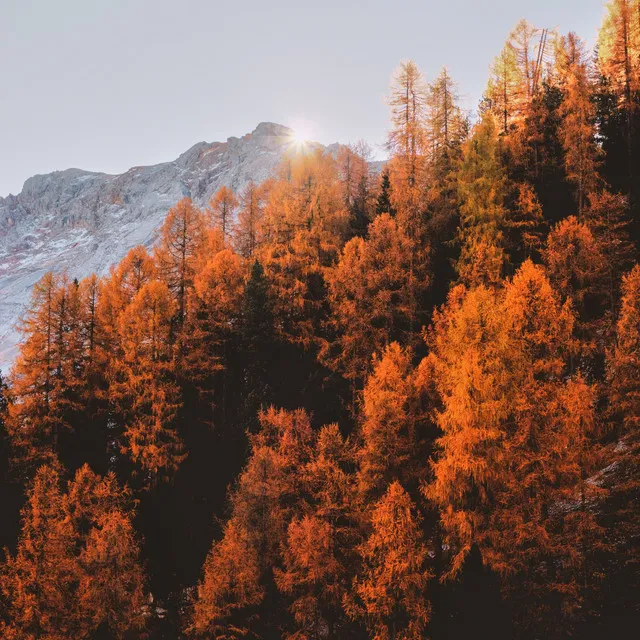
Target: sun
{"points": [[302, 134]]}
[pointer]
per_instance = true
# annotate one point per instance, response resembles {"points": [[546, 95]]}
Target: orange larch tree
{"points": [[247, 231], [389, 592], [45, 377], [304, 227], [182, 238], [222, 208], [577, 130], [77, 565], [319, 553], [391, 425], [517, 440], [213, 317], [237, 593], [143, 385], [408, 144], [481, 191], [375, 292]]}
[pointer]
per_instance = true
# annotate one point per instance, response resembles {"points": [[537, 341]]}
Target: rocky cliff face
{"points": [[84, 222]]}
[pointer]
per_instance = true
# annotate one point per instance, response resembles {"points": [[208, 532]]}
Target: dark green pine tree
{"points": [[384, 198], [258, 339], [358, 211], [11, 492], [621, 158]]}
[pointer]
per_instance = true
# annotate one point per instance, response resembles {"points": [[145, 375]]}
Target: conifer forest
{"points": [[359, 400]]}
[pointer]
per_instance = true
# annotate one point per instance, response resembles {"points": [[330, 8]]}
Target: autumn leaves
{"points": [[466, 324]]}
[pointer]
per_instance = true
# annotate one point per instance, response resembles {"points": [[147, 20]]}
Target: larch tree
{"points": [[515, 76], [304, 226], [577, 131], [407, 141], [525, 225], [374, 291], [143, 386], [446, 124], [575, 265], [408, 102], [623, 391], [222, 208], [37, 582], [355, 178], [390, 429], [182, 238], [624, 357], [43, 376], [110, 590], [247, 231], [213, 317], [517, 440], [389, 593], [481, 190], [504, 83], [77, 567], [124, 282], [319, 554], [237, 592], [618, 50], [607, 217], [230, 588]]}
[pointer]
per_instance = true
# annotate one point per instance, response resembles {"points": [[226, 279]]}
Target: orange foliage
{"points": [[374, 291], [389, 593], [221, 209], [142, 384], [77, 565]]}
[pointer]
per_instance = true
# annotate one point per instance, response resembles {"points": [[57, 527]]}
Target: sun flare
{"points": [[301, 135]]}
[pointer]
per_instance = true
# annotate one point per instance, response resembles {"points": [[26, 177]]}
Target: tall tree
{"points": [[247, 230], [182, 238], [355, 177], [77, 566], [517, 438], [143, 385], [624, 357], [374, 291], [577, 131], [305, 224], [319, 554], [446, 123], [481, 189], [43, 376], [221, 209], [391, 430], [389, 594], [212, 317], [407, 142], [237, 592]]}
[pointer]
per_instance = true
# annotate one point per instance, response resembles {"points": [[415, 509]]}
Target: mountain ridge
{"points": [[84, 221]]}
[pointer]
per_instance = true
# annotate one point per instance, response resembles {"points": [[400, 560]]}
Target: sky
{"points": [[106, 85]]}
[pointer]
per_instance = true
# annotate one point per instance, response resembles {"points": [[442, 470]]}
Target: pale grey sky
{"points": [[108, 84]]}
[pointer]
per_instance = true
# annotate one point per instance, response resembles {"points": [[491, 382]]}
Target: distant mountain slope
{"points": [[84, 222]]}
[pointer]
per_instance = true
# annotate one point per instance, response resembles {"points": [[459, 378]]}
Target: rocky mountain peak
{"points": [[83, 222]]}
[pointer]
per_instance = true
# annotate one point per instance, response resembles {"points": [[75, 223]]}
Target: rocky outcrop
{"points": [[83, 222]]}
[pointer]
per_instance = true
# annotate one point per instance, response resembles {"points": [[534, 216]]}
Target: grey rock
{"points": [[83, 222]]}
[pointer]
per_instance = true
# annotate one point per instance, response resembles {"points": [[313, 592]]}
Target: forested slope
{"points": [[348, 405]]}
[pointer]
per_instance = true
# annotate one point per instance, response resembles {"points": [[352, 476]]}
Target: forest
{"points": [[356, 403]]}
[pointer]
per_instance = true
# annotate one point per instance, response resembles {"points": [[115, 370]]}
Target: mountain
{"points": [[83, 222]]}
